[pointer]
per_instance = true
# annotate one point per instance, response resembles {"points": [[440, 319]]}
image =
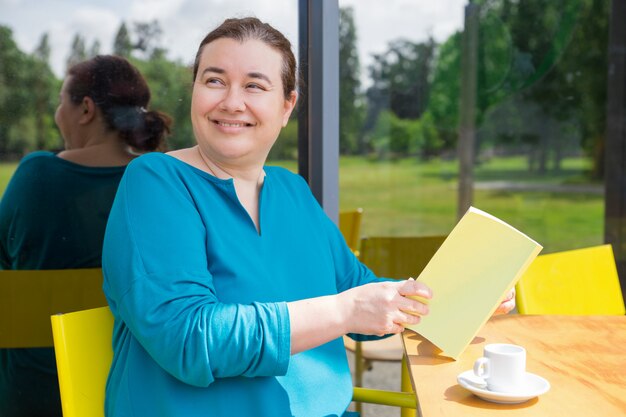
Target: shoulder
{"points": [[150, 159], [154, 164], [154, 174], [291, 185], [284, 176], [39, 158], [35, 165]]}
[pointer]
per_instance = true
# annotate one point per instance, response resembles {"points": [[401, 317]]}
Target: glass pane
{"points": [[38, 40], [532, 97]]}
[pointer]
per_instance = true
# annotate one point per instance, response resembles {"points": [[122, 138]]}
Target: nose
{"points": [[233, 101]]}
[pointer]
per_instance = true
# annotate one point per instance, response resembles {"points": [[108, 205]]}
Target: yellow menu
{"points": [[478, 263]]}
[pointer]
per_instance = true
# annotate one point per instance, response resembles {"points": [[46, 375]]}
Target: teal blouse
{"points": [[200, 297], [52, 216]]}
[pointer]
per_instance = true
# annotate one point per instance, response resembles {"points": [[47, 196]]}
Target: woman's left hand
{"points": [[507, 304]]}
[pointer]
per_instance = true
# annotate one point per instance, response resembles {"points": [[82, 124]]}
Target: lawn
{"points": [[412, 198], [409, 197]]}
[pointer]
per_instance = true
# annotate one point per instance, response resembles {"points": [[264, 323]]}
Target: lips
{"points": [[232, 123]]}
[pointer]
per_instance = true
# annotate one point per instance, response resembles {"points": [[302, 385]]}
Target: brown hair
{"points": [[242, 29], [122, 94]]}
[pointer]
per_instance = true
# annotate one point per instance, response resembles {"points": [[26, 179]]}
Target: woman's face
{"points": [[238, 106], [67, 115]]}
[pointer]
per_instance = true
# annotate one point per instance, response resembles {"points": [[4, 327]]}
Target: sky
{"points": [[185, 22]]}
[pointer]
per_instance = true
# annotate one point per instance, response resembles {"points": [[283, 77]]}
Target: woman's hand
{"points": [[384, 307], [507, 304], [375, 309]]}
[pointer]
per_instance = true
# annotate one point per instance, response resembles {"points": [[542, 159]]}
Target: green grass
{"points": [[6, 170], [412, 198], [409, 197]]}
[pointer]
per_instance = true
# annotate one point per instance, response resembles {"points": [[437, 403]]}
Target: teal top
{"points": [[200, 297], [52, 216]]}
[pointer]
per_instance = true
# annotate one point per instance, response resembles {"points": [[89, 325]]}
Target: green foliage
{"points": [[351, 105], [122, 45], [171, 93], [286, 146], [401, 78], [28, 91], [443, 102], [78, 51], [541, 81], [393, 138]]}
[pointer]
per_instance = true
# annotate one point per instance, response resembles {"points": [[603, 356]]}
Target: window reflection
{"points": [[537, 113], [38, 44]]}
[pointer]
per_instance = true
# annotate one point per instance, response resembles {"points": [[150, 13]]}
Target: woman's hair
{"points": [[247, 28], [122, 94]]}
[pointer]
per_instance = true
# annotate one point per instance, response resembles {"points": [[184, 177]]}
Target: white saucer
{"points": [[534, 386]]}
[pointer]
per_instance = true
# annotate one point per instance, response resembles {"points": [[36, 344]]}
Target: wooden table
{"points": [[583, 358]]}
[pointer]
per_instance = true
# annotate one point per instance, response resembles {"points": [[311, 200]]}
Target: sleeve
{"points": [[349, 271], [20, 204], [7, 211], [158, 285]]}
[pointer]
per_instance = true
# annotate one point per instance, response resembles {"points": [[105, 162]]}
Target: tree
{"points": [[43, 96], [443, 101], [148, 35], [122, 45], [14, 94], [401, 77], [554, 77], [95, 48], [42, 52], [350, 100], [78, 52], [171, 93]]}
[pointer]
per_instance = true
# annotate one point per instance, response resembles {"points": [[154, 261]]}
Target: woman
{"points": [[230, 287], [54, 210]]}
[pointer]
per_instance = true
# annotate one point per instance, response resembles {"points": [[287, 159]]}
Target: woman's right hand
{"points": [[384, 307]]}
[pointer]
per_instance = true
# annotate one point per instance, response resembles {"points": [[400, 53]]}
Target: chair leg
{"points": [[358, 373], [405, 386]]}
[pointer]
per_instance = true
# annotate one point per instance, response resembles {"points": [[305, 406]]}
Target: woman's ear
{"points": [[290, 103], [88, 108]]}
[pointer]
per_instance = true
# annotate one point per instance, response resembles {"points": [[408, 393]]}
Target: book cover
{"points": [[478, 263]]}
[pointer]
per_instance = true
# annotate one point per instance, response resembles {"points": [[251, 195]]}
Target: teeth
{"points": [[231, 124]]}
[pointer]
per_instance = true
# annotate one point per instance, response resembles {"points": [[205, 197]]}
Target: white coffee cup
{"points": [[503, 367]]}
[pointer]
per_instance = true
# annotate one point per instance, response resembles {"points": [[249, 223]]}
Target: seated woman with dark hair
{"points": [[55, 208]]}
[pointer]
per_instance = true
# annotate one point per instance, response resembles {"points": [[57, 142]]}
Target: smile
{"points": [[232, 124]]}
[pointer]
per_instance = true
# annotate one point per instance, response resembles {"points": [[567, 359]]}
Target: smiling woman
{"points": [[238, 106], [215, 264]]}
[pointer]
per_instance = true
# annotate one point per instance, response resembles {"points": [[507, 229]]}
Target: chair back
{"points": [[29, 298], [83, 349], [574, 282], [398, 256], [350, 227]]}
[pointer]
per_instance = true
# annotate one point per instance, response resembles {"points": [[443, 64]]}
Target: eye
{"points": [[255, 86], [212, 81]]}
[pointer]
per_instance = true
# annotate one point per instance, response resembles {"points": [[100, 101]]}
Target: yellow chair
{"points": [[350, 227], [28, 298], [82, 343], [574, 282], [391, 257]]}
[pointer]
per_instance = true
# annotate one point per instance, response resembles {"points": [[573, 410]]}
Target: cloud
{"points": [[195, 18], [92, 23], [185, 22], [148, 10], [378, 22]]}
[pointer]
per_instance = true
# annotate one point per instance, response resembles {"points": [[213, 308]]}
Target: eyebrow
{"points": [[258, 75]]}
